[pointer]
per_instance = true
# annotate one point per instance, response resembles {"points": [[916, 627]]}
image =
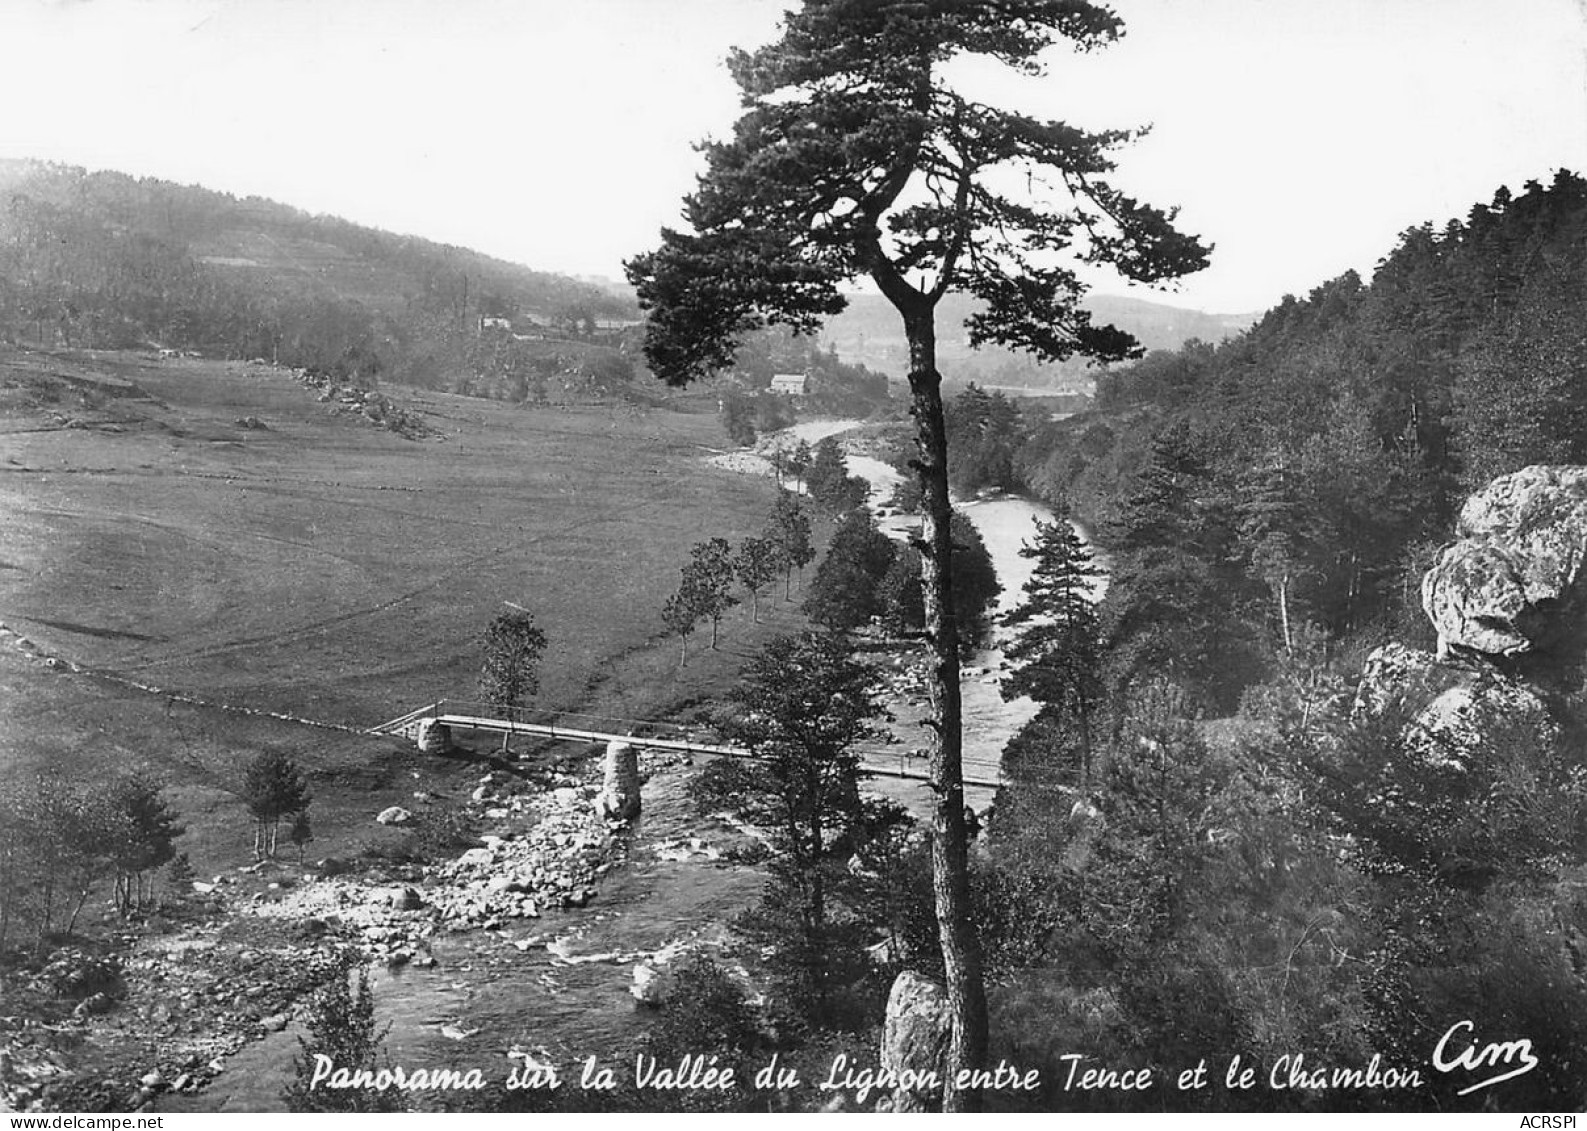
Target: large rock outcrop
{"points": [[1513, 582], [1451, 709], [1508, 601], [915, 1039]]}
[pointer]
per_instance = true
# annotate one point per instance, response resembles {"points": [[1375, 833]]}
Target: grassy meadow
{"points": [[324, 568]]}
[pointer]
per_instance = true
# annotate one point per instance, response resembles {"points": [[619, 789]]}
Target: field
{"points": [[321, 568]]}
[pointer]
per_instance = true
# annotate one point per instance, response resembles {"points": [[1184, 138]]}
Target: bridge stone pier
{"points": [[434, 736], [619, 796]]}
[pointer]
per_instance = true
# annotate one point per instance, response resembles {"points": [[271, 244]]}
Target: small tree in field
{"points": [[302, 832], [273, 787], [179, 874], [789, 530], [145, 831], [756, 564], [511, 671], [709, 578], [680, 614]]}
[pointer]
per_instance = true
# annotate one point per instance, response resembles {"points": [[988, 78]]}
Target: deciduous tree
{"points": [[903, 607], [831, 486], [511, 670], [709, 576], [342, 1028], [756, 564], [844, 594], [680, 614], [789, 528]]}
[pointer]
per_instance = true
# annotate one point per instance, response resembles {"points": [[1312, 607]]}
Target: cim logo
{"points": [[1457, 1051]]}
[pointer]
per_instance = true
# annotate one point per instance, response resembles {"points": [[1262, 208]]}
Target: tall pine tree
{"points": [[857, 157], [1056, 648]]}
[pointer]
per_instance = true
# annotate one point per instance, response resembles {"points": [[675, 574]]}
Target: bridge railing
{"points": [[882, 760], [572, 720]]}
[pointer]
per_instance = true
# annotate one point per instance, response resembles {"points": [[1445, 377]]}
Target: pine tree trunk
{"points": [[961, 950]]}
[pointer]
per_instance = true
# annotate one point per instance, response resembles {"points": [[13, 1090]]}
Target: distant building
{"points": [[788, 384], [486, 322]]}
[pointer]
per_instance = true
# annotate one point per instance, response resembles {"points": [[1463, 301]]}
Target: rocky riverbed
{"points": [[163, 1015]]}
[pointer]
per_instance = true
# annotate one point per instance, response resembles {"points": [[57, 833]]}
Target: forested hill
{"points": [[868, 332], [107, 260], [1324, 448]]}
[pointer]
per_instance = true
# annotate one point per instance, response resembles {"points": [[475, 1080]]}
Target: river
{"points": [[1005, 524]]}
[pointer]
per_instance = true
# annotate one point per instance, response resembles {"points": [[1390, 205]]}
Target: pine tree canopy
{"points": [[855, 157]]}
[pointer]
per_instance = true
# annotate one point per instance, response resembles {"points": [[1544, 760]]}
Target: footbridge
{"points": [[455, 715]]}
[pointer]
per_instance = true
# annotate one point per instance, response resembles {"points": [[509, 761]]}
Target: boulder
{"points": [[1086, 825], [406, 899], [652, 985], [396, 815], [1450, 707], [1512, 583], [655, 981], [619, 796], [915, 1039], [94, 1004]]}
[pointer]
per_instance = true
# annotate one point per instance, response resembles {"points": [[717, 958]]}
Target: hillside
{"points": [[868, 332], [104, 260], [1330, 445]]}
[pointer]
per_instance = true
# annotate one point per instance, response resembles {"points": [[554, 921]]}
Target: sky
{"points": [[1299, 137]]}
